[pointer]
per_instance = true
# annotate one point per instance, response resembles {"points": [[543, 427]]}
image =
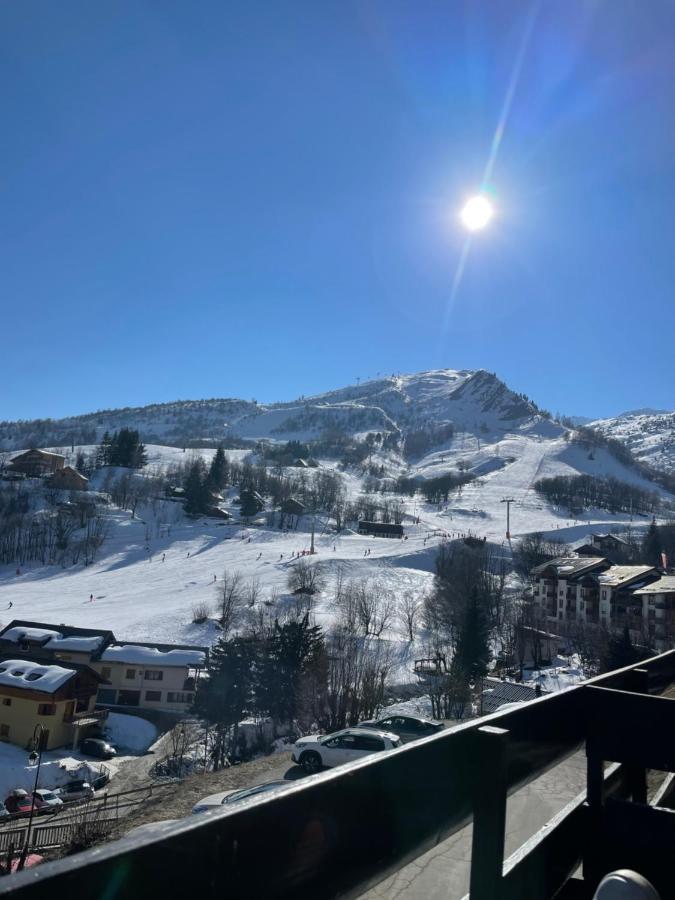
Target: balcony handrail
{"points": [[340, 832]]}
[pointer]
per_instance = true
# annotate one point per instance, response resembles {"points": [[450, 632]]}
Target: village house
{"points": [[137, 674], [60, 698], [68, 479], [150, 676], [35, 463]]}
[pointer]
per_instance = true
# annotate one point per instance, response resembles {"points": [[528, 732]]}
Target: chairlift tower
{"points": [[508, 501]]}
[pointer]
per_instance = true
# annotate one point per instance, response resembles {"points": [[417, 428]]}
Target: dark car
{"points": [[98, 747], [408, 728], [75, 791]]}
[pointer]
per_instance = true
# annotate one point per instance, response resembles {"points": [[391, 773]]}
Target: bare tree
{"points": [[408, 611], [231, 600], [306, 578]]}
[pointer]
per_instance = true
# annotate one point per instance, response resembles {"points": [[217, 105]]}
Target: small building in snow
{"points": [[381, 529], [35, 463], [69, 479], [293, 507]]}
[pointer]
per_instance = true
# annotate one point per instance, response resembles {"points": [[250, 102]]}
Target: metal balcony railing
{"points": [[338, 833]]}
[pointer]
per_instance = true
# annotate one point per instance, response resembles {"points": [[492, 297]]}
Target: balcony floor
{"points": [[443, 873]]}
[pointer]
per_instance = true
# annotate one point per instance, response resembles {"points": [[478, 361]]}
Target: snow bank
{"points": [[55, 770], [130, 732]]}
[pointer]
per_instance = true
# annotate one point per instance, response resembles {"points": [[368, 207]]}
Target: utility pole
{"points": [[508, 501], [311, 549]]}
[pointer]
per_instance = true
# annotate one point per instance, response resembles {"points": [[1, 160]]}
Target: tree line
{"points": [[579, 492]]}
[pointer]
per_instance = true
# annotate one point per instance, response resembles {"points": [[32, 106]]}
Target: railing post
{"points": [[636, 776], [489, 813]]}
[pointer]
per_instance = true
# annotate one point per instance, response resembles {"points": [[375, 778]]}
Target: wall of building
{"points": [[147, 687], [19, 717]]}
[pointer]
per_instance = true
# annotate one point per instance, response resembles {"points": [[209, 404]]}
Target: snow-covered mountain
{"points": [[648, 434], [472, 401]]}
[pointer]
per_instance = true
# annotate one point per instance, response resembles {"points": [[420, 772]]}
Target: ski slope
{"points": [[149, 576]]}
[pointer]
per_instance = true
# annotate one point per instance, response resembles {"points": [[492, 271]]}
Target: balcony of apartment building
{"points": [[367, 829]]}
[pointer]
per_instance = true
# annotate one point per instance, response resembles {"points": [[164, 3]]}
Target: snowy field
{"points": [[150, 576]]}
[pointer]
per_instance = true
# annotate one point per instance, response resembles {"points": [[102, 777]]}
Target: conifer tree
{"points": [[473, 642], [652, 546]]}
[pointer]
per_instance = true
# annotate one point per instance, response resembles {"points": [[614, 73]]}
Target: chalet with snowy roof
{"points": [[66, 643], [137, 674], [293, 507], [556, 584], [61, 698], [150, 676], [381, 529], [36, 463], [68, 479]]}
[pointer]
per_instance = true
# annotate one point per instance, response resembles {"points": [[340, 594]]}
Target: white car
{"points": [[224, 799], [314, 751]]}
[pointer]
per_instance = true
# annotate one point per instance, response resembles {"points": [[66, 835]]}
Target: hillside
{"points": [[648, 434], [156, 564], [473, 401]]}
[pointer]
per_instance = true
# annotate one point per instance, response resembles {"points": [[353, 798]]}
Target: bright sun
{"points": [[476, 213]]}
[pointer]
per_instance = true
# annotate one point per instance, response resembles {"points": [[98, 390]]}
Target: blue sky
{"points": [[259, 199]]}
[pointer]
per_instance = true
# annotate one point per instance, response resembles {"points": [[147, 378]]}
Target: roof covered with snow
{"points": [[567, 566], [76, 644], [19, 634], [618, 575], [23, 673], [497, 693], [664, 585], [152, 656]]}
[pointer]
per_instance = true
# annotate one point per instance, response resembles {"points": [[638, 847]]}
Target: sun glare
{"points": [[476, 213]]}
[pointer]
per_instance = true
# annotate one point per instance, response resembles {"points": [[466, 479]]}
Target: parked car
{"points": [[18, 801], [98, 747], [408, 728], [314, 751], [75, 791], [47, 801], [228, 798]]}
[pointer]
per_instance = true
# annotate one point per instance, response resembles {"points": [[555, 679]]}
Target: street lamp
{"points": [[35, 756]]}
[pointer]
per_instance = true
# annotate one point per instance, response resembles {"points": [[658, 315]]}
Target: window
{"points": [[178, 697], [153, 696], [154, 676], [131, 673], [4, 731], [46, 709], [6, 701], [106, 695], [365, 742], [105, 673]]}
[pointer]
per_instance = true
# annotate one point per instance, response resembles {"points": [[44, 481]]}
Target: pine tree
{"points": [[289, 660], [652, 546], [196, 489], [225, 697], [218, 470], [473, 642], [103, 451], [621, 652]]}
